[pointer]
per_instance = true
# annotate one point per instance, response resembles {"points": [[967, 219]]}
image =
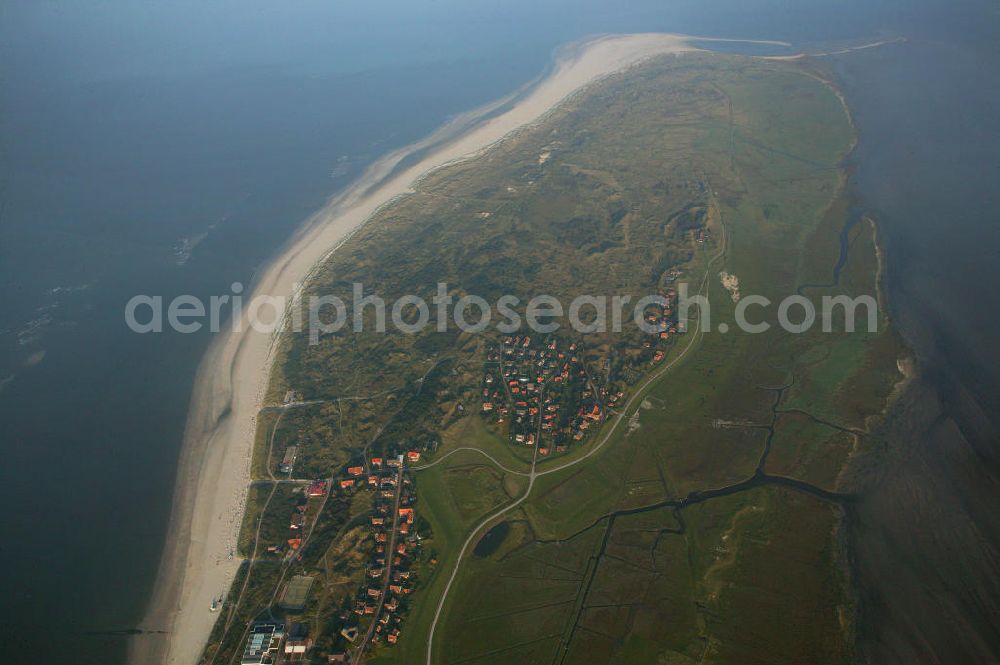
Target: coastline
{"points": [[232, 380]]}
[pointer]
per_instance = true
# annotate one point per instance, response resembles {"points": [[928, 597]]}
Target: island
{"points": [[673, 493]]}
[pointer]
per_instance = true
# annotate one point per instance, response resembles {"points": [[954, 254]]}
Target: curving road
{"points": [[474, 450], [637, 395]]}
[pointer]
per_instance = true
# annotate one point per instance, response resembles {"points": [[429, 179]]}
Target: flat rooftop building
{"points": [[263, 644]]}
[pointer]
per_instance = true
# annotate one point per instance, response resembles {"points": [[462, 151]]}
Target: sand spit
{"points": [[842, 51], [232, 379]]}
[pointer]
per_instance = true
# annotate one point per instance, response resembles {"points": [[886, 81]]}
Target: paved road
{"points": [[694, 337], [474, 450], [535, 474], [390, 554]]}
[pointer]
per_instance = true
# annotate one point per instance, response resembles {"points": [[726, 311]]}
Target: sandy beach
{"points": [[214, 469]]}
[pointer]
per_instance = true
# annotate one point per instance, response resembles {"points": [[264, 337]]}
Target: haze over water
{"points": [[171, 148]]}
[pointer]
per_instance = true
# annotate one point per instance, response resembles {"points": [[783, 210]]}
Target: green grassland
{"points": [[700, 526], [748, 577]]}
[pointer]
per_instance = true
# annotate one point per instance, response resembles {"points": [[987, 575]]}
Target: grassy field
{"points": [[703, 528], [753, 576]]}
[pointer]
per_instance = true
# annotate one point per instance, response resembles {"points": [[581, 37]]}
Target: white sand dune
{"points": [[230, 387]]}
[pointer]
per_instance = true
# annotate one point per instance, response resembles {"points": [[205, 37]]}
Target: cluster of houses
{"points": [[376, 613], [540, 392], [389, 574], [379, 470], [664, 321], [298, 521]]}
